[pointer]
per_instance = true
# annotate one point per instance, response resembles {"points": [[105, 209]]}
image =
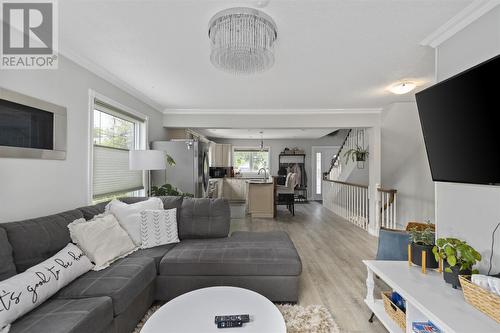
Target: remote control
{"points": [[228, 324], [243, 318]]}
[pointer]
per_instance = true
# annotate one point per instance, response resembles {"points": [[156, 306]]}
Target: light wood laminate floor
{"points": [[331, 250]]}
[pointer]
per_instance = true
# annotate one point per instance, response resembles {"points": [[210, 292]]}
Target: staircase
{"points": [[347, 197], [341, 169]]}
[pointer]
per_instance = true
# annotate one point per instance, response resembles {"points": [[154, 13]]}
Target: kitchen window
{"points": [[114, 133], [249, 160]]}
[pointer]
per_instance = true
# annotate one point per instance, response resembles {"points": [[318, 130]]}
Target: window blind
{"points": [[109, 109], [112, 174], [265, 150]]}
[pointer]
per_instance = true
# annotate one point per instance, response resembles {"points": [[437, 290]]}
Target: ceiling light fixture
{"points": [[261, 141], [402, 87], [242, 40], [262, 3]]}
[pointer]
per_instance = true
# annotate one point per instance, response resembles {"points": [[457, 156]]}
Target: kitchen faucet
{"points": [[265, 172]]}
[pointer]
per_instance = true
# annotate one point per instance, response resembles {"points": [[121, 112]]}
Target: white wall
{"points": [[32, 188], [404, 163], [277, 146], [470, 212], [274, 119]]}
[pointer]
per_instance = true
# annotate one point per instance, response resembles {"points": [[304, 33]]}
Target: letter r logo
{"points": [[27, 28]]}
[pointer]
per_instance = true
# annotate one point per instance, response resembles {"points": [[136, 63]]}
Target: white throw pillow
{"points": [[129, 215], [102, 239], [158, 227], [24, 292]]}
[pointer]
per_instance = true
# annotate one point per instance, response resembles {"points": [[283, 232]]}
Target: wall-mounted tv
{"points": [[460, 120], [31, 128]]}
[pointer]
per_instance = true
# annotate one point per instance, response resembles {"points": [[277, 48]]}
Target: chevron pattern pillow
{"points": [[158, 227]]}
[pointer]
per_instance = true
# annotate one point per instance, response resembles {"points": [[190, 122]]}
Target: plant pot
{"points": [[452, 278], [416, 255], [360, 157]]}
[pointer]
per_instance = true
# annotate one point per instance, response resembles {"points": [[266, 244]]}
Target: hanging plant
{"points": [[357, 154]]}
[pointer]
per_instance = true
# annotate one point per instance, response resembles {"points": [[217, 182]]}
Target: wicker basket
{"points": [[480, 298], [393, 311]]}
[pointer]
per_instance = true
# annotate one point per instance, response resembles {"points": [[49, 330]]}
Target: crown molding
{"points": [[272, 111], [465, 17], [108, 76]]}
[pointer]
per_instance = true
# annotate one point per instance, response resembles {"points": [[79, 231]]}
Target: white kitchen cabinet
{"points": [[220, 155], [227, 155], [234, 189]]}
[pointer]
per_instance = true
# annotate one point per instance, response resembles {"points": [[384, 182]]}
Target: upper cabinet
{"points": [[220, 155]]}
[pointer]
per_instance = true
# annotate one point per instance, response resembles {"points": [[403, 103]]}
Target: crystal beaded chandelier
{"points": [[242, 40]]}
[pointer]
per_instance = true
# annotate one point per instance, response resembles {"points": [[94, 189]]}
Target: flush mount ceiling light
{"points": [[262, 3], [403, 87], [242, 40]]}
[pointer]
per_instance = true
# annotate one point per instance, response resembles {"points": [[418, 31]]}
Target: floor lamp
{"points": [[147, 160]]}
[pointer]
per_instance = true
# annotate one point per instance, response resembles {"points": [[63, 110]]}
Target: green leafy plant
{"points": [[422, 237], [168, 189], [169, 160], [456, 253], [357, 154]]}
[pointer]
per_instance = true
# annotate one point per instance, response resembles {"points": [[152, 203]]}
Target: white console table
{"points": [[427, 297]]}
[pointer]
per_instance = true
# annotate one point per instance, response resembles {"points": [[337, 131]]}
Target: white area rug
{"points": [[308, 319], [298, 319]]}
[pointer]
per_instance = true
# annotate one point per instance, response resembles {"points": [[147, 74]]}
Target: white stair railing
{"points": [[349, 201], [386, 208]]}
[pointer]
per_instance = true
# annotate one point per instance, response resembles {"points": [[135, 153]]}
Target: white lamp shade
{"points": [[146, 160]]}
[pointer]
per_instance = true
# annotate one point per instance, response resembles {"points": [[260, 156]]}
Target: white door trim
{"points": [[313, 167]]}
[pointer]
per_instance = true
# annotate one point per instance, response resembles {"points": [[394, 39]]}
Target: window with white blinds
{"points": [[115, 132], [250, 160]]}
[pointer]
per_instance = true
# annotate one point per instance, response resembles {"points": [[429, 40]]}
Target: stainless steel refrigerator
{"points": [[191, 171]]}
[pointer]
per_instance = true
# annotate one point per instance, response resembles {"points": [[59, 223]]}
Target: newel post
{"points": [[375, 177]]}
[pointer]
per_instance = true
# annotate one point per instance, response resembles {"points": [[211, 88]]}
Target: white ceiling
{"points": [[330, 54], [268, 133]]}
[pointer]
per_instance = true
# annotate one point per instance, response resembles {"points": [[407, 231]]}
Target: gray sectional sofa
{"points": [[115, 299]]}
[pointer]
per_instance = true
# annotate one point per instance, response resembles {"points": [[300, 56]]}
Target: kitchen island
{"points": [[260, 197]]}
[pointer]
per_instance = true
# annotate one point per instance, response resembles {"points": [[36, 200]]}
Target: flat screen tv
{"points": [[460, 120]]}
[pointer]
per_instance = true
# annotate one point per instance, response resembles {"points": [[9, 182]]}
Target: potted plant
{"points": [[422, 239], [168, 190], [458, 259], [357, 154]]}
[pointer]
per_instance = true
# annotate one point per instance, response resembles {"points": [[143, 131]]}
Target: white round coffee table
{"points": [[195, 312]]}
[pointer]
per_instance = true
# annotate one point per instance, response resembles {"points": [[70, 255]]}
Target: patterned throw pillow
{"points": [[25, 291], [158, 227], [128, 215]]}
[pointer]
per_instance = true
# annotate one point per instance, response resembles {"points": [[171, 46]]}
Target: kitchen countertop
{"points": [[253, 180], [259, 181]]}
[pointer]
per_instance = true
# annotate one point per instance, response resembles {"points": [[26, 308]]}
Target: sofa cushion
{"points": [[156, 253], [90, 211], [7, 267], [204, 218], [169, 202], [36, 240], [122, 281], [67, 316], [133, 200], [248, 253]]}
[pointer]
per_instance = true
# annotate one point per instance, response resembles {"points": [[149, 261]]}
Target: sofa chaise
{"points": [[115, 299]]}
